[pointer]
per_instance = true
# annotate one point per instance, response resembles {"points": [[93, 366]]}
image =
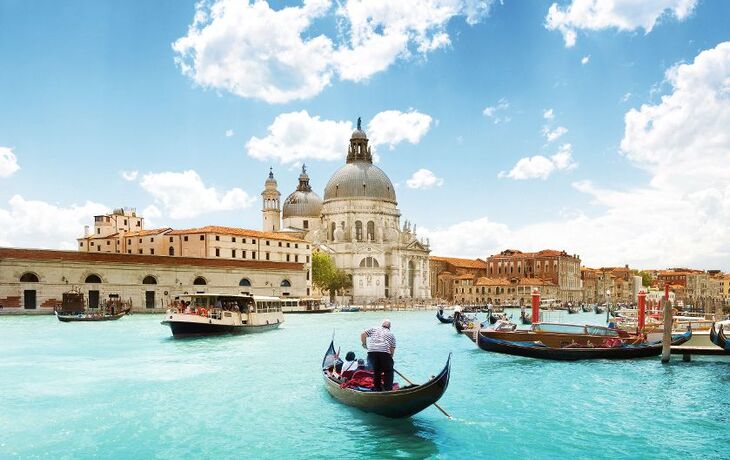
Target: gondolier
{"points": [[381, 348]]}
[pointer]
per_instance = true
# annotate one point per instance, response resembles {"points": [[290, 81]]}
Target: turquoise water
{"points": [[126, 389]]}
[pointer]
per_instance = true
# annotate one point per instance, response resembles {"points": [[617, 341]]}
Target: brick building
{"points": [[444, 270]]}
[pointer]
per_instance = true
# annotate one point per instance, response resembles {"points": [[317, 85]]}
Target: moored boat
{"points": [[304, 306], [607, 350], [599, 309], [398, 403], [559, 334], [444, 319], [88, 316], [73, 309], [573, 309], [586, 308], [718, 337], [211, 314], [349, 309], [525, 317]]}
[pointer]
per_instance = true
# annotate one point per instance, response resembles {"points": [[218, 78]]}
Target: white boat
{"points": [[293, 305], [210, 314]]}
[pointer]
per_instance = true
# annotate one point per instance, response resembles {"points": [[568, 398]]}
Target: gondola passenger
{"points": [[349, 366]]}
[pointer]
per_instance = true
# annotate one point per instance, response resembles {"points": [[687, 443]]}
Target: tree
{"points": [[646, 278], [326, 276]]}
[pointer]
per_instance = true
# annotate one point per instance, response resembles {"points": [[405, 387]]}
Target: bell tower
{"points": [[271, 210]]}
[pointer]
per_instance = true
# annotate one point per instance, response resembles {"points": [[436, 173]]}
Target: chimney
{"points": [[86, 230]]}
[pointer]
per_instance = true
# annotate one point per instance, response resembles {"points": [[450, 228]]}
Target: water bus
{"points": [[304, 305], [209, 314]]}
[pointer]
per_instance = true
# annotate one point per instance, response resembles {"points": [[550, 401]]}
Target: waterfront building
{"points": [[445, 269], [609, 284], [36, 278], [359, 224], [557, 267], [470, 290], [695, 285], [724, 281]]}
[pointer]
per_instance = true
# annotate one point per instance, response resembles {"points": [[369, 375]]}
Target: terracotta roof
{"points": [[462, 263], [514, 253], [152, 231], [238, 232], [109, 257], [465, 276]]}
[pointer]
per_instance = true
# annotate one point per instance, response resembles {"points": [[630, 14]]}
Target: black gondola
{"points": [[403, 402], [599, 309], [540, 351], [85, 317], [573, 309], [717, 336], [445, 320], [462, 321], [586, 308]]}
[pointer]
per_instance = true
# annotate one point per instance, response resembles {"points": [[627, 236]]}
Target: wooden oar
{"points": [[435, 404]]}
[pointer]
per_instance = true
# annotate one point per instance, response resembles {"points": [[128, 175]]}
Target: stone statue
{"points": [[359, 127]]}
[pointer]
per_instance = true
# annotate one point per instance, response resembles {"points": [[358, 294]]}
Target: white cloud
{"points": [[494, 111], [230, 132], [474, 238], [392, 127], [298, 136], [548, 114], [184, 195], [624, 15], [681, 217], [129, 175], [423, 178], [38, 224], [552, 135], [584, 60], [540, 167], [8, 162], [254, 51]]}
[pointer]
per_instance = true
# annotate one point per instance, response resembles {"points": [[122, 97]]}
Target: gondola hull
{"points": [[540, 351], [401, 403], [717, 336], [445, 320], [83, 318]]}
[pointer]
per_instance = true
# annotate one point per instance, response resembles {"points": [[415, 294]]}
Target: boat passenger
{"points": [[349, 366], [381, 348]]}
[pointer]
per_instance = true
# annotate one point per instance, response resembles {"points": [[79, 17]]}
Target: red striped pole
{"points": [[641, 308], [535, 306]]}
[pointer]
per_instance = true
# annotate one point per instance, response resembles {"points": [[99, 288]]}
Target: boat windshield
{"points": [[598, 330], [559, 328]]}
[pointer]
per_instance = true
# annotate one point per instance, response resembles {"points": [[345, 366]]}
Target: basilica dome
{"points": [[303, 202], [359, 178]]}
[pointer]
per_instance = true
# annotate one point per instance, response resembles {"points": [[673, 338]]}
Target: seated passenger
{"points": [[361, 365], [349, 365]]}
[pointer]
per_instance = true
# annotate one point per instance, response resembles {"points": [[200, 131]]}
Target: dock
{"points": [[687, 352]]}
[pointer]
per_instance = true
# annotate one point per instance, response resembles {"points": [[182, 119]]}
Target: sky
{"points": [[597, 127]]}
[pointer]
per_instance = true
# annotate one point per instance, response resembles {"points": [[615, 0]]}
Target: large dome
{"points": [[303, 202], [359, 180]]}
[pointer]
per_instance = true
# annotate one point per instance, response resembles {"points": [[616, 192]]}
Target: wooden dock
{"points": [[687, 352]]}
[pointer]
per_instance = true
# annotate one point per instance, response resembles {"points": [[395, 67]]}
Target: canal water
{"points": [[126, 389]]}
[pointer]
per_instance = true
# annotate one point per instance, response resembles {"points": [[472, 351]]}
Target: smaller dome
{"points": [[303, 202]]}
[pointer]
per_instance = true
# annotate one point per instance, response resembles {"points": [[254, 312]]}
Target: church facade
{"points": [[359, 224]]}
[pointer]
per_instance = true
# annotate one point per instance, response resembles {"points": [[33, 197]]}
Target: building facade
{"points": [[557, 267], [36, 279], [445, 269], [515, 291], [359, 224]]}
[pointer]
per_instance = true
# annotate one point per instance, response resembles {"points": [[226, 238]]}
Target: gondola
{"points": [[85, 317], [540, 351], [586, 308], [573, 309], [599, 309], [717, 336], [403, 402], [462, 322], [445, 320]]}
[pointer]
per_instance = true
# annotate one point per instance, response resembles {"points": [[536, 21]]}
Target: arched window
{"points": [[171, 251], [332, 230], [371, 231], [358, 230], [244, 282], [369, 262], [93, 279], [149, 279], [285, 283], [200, 281], [29, 277]]}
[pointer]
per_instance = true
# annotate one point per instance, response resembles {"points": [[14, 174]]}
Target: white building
{"points": [[358, 223]]}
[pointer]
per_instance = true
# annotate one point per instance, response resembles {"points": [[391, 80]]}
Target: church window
{"points": [[358, 230], [285, 283], [369, 262], [199, 281], [332, 230], [371, 231]]}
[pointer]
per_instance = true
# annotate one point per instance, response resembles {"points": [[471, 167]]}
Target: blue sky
{"points": [[92, 90]]}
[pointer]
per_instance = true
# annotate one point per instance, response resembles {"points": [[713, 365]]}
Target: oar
{"points": [[435, 404]]}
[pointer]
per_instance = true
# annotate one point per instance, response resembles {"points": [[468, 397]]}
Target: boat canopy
{"points": [[574, 329]]}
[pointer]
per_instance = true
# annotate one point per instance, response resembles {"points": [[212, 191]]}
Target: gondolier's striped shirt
{"points": [[380, 340]]}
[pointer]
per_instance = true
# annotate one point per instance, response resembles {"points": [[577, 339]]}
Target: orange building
{"points": [[444, 270]]}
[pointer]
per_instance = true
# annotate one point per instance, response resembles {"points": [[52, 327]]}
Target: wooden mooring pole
{"points": [[667, 337]]}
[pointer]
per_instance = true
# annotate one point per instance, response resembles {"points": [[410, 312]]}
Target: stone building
{"points": [[445, 269], [514, 291], [36, 278], [557, 267], [696, 284], [359, 224], [609, 284]]}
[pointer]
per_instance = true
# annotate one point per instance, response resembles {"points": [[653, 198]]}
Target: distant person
{"points": [[349, 365], [381, 348]]}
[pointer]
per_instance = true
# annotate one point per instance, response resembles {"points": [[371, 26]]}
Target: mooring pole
{"points": [[641, 312], [535, 306], [667, 337]]}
